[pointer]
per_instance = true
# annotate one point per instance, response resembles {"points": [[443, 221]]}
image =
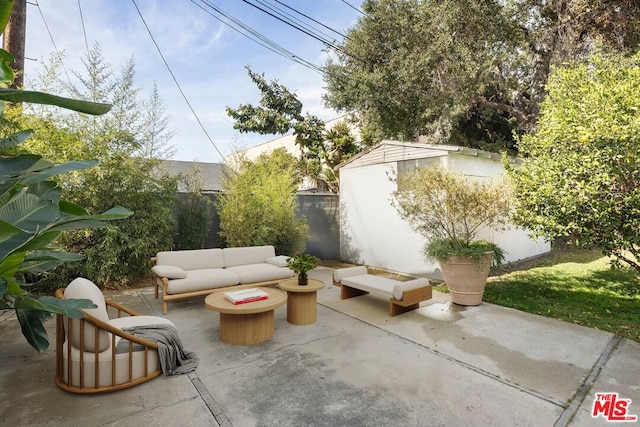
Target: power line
{"points": [[52, 41], [313, 20], [327, 43], [84, 31], [353, 7], [254, 35], [176, 81]]}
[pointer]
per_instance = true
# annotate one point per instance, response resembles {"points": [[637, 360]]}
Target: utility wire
{"points": [[327, 43], [52, 41], [313, 20], [289, 17], [255, 36], [176, 81], [353, 7], [84, 31]]}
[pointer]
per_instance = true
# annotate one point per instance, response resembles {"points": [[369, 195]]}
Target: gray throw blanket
{"points": [[173, 359]]}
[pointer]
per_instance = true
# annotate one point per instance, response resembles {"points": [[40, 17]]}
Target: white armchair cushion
{"points": [[81, 288], [169, 271], [401, 287], [278, 261]]}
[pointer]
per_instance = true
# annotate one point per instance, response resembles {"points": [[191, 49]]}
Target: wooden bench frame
{"points": [[410, 299]]}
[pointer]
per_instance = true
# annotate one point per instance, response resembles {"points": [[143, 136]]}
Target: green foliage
{"points": [[475, 250], [33, 215], [581, 176], [302, 263], [258, 205], [449, 209], [279, 112], [124, 141], [194, 214], [463, 72]]}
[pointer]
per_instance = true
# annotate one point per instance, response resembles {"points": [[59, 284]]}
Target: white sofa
{"points": [[403, 296], [190, 273]]}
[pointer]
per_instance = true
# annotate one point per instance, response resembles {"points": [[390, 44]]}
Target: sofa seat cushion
{"points": [[198, 280], [253, 273], [374, 284]]}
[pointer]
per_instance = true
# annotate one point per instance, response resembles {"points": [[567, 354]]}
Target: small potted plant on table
{"points": [[449, 209], [301, 264]]}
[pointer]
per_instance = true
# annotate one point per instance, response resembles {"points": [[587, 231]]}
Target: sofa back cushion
{"points": [[82, 288], [196, 259], [247, 255]]}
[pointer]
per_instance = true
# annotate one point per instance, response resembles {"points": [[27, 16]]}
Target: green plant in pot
{"points": [[301, 264], [450, 209]]}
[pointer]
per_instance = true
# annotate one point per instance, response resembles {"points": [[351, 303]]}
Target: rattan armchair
{"points": [[94, 354]]}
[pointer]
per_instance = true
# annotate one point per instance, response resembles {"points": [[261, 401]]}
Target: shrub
{"points": [[258, 205]]}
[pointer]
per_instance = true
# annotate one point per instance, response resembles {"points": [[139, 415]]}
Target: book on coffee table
{"points": [[246, 295]]}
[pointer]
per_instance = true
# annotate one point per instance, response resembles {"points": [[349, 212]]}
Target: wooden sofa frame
{"points": [[166, 297], [63, 323]]}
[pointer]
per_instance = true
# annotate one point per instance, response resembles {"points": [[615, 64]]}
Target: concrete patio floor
{"points": [[438, 365]]}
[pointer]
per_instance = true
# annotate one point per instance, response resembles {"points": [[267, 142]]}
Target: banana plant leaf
{"points": [[5, 12], [15, 95], [15, 139], [33, 328], [37, 262], [32, 313]]}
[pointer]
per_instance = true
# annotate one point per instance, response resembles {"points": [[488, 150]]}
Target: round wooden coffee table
{"points": [[302, 300], [248, 323]]}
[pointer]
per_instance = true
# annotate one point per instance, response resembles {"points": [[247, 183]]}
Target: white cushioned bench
{"points": [[403, 296]]}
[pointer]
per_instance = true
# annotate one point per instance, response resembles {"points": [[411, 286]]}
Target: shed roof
{"points": [[394, 151], [212, 173]]}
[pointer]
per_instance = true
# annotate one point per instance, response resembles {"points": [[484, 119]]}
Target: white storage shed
{"points": [[372, 232]]}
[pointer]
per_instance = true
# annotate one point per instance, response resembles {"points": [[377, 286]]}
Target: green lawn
{"points": [[577, 286]]}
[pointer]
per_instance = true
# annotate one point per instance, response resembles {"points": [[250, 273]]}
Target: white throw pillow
{"points": [[169, 271], [278, 261]]}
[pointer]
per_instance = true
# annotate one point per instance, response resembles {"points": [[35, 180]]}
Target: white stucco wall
{"points": [[373, 234]]}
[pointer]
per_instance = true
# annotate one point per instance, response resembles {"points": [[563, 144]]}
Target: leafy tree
{"points": [[127, 141], [279, 112], [450, 209], [258, 205], [460, 71], [581, 175], [33, 214]]}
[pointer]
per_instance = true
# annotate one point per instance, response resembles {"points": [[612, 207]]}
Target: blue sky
{"points": [[206, 56]]}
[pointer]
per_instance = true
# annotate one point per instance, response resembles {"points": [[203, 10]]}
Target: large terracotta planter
{"points": [[466, 278]]}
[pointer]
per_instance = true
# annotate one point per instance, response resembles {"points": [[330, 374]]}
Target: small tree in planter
{"points": [[449, 209], [301, 264]]}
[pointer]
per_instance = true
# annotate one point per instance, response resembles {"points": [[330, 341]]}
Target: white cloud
{"points": [[206, 57]]}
